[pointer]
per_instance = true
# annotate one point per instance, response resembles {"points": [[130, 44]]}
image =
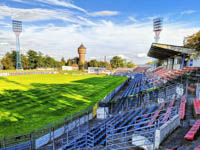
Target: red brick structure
{"points": [[81, 52]]}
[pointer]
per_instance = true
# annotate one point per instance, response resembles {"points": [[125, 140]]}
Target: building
{"points": [[172, 56], [82, 53], [96, 70]]}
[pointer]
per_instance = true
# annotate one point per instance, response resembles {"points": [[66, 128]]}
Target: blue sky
{"points": [[105, 27]]}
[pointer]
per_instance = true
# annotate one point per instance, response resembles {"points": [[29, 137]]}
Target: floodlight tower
{"points": [[17, 29], [157, 28]]}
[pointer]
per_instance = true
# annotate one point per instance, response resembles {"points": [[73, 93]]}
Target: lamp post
{"points": [[17, 29], [157, 28]]}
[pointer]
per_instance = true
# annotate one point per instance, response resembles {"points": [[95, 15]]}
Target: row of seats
{"points": [[196, 103], [193, 131], [191, 89], [171, 74], [139, 83], [182, 108], [145, 117], [156, 115], [198, 148], [97, 135], [118, 123], [166, 117]]}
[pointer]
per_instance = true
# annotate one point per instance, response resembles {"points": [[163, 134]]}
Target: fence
{"points": [[69, 128], [138, 136], [27, 73], [107, 98]]}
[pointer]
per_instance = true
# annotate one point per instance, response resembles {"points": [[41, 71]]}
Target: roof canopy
{"points": [[163, 51]]}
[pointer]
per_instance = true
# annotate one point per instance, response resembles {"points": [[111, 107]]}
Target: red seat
{"points": [[182, 108], [192, 132]]}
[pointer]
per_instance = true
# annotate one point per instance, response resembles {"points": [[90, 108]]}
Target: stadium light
{"points": [[157, 28], [17, 29]]}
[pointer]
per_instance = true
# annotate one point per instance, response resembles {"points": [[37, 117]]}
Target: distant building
{"points": [[70, 68], [81, 52], [96, 70]]}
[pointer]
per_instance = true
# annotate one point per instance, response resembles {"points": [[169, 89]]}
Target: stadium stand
{"points": [[196, 104], [156, 115], [166, 117], [97, 135], [193, 131], [198, 148], [182, 108], [140, 69]]}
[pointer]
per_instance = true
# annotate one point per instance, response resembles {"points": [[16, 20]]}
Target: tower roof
{"points": [[81, 47]]}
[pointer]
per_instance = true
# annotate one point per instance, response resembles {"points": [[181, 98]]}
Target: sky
{"points": [[105, 27]]}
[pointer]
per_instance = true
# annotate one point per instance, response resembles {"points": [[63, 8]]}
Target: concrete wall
{"points": [[166, 129]]}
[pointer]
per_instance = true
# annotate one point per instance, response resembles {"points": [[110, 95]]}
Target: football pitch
{"points": [[29, 102]]}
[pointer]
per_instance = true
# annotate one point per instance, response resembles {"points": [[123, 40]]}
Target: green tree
{"points": [[25, 62], [117, 62], [40, 60], [63, 62], [101, 64], [75, 60], [33, 59], [69, 62], [130, 65], [7, 63], [93, 63], [193, 41]]}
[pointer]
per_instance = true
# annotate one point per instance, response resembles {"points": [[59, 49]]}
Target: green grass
{"points": [[31, 101]]}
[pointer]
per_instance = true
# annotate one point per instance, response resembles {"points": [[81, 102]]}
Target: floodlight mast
{"points": [[17, 29], [157, 28]]}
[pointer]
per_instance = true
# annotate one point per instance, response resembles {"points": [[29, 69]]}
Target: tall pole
{"points": [[157, 28], [17, 29], [18, 54]]}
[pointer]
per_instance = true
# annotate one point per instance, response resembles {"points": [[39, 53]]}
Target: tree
{"points": [[93, 63], [75, 60], [40, 60], [130, 65], [117, 62], [149, 63], [69, 62], [7, 63], [101, 64], [33, 59], [193, 41], [63, 62], [25, 62]]}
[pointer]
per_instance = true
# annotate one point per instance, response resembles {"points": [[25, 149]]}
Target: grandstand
{"points": [[150, 104], [157, 109]]}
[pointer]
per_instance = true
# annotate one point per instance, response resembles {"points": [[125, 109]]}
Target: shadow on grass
{"points": [[10, 81], [45, 103]]}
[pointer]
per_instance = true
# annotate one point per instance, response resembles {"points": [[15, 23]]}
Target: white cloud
{"points": [[101, 38], [104, 13], [188, 12], [93, 58], [123, 56], [104, 39], [133, 19], [142, 55], [62, 3], [38, 14]]}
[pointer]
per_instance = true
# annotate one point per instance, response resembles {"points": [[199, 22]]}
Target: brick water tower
{"points": [[81, 52]]}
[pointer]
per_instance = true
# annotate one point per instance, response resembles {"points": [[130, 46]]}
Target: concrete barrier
{"points": [[166, 129], [39, 142], [142, 142]]}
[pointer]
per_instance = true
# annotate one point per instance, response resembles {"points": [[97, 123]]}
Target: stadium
{"points": [[109, 104]]}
